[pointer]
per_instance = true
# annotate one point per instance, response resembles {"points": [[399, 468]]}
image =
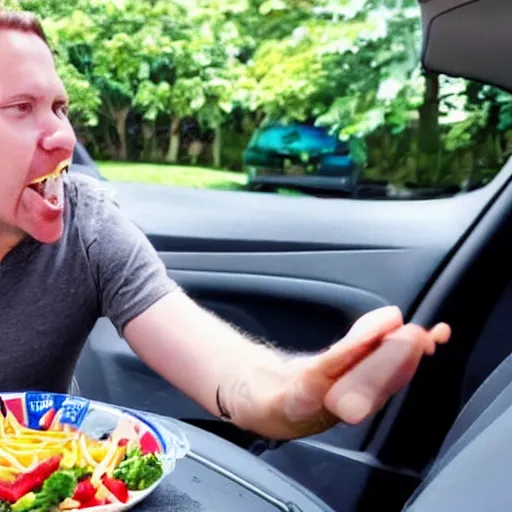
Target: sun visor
{"points": [[469, 38]]}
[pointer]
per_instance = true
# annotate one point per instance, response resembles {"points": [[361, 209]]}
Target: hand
{"points": [[355, 377]]}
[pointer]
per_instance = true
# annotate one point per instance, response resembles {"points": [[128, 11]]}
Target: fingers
{"points": [[441, 333], [364, 390], [376, 323], [359, 341], [415, 334]]}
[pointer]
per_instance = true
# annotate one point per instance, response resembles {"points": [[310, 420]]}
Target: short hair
{"points": [[22, 21]]}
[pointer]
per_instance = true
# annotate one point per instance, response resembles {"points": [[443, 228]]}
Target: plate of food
{"points": [[66, 453]]}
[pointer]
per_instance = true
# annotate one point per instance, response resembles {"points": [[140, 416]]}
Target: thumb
{"points": [[361, 339]]}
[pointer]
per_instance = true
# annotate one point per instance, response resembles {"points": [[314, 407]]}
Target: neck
{"points": [[9, 238]]}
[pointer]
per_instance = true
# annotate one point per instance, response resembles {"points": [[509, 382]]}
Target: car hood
{"points": [[469, 39]]}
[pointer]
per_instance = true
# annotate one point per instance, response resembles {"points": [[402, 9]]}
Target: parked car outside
{"points": [[299, 156]]}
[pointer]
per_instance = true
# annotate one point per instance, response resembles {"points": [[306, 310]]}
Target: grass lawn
{"points": [[184, 176]]}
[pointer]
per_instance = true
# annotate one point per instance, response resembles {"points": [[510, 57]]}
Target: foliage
{"points": [[165, 79], [9, 4]]}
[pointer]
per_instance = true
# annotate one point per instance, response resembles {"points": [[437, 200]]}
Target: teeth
{"points": [[63, 166], [53, 189]]}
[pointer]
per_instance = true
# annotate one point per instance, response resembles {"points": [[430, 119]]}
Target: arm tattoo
{"points": [[240, 392], [242, 389], [224, 414]]}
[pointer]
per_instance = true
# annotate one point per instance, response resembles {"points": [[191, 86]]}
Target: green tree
{"points": [[9, 4], [113, 45], [200, 82]]}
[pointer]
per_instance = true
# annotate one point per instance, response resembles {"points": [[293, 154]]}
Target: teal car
{"points": [[301, 157]]}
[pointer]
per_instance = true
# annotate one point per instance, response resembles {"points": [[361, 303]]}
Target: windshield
{"points": [[322, 97]]}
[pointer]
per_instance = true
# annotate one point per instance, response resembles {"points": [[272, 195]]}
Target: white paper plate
{"points": [[98, 419]]}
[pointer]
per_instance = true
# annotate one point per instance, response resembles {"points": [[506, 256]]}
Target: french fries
{"points": [[22, 448]]}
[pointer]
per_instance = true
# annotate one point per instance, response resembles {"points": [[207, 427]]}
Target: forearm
{"points": [[272, 393], [251, 380], [202, 354]]}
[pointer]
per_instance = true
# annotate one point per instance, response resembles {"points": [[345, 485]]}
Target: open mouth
{"points": [[51, 186]]}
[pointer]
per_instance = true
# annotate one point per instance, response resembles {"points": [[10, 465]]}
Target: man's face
{"points": [[36, 138]]}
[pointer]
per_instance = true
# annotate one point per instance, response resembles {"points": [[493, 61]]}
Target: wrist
{"points": [[267, 399], [248, 394]]}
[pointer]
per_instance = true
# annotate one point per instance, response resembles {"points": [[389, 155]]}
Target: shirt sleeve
{"points": [[130, 276]]}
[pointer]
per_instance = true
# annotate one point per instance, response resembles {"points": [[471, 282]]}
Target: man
{"points": [[68, 256]]}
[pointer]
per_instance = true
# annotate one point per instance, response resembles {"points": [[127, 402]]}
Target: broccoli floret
{"points": [[132, 452], [25, 503], [5, 506], [139, 472], [81, 473], [56, 489]]}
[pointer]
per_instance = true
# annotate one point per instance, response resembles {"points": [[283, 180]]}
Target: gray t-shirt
{"points": [[51, 295]]}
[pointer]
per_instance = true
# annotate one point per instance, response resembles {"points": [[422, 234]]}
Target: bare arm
{"points": [[198, 353], [265, 390]]}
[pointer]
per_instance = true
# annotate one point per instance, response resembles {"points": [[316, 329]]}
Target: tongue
{"points": [[41, 210], [53, 191]]}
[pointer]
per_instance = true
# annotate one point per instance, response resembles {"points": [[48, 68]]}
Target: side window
{"points": [[323, 97]]}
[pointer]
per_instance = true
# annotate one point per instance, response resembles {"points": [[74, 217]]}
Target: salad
{"points": [[57, 467]]}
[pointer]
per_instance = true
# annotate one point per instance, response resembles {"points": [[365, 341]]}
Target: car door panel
{"points": [[297, 271], [371, 272], [295, 313]]}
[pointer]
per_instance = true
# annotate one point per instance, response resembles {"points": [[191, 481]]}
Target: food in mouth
{"points": [[51, 186]]}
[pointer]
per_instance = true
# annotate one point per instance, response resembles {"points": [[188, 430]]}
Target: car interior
{"points": [[300, 271]]}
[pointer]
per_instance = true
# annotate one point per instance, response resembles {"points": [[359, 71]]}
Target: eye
{"points": [[22, 108]]}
